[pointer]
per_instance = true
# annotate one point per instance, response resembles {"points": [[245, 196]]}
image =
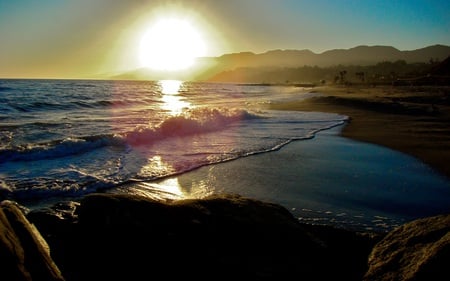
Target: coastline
{"points": [[320, 181], [329, 180], [256, 238], [412, 120]]}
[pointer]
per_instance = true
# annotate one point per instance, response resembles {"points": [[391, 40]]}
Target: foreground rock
{"points": [[122, 237], [419, 250], [24, 254], [119, 237]]}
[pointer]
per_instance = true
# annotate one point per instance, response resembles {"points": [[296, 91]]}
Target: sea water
{"points": [[62, 139], [66, 138]]}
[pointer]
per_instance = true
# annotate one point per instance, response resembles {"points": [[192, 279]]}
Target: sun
{"points": [[171, 44]]}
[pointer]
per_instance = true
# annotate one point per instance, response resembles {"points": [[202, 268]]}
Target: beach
{"points": [[328, 180], [375, 172], [413, 120]]}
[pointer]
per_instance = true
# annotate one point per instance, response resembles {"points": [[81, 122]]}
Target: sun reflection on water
{"points": [[170, 187], [172, 102], [170, 87], [166, 189], [155, 167]]}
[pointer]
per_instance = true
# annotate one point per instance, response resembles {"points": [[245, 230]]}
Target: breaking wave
{"points": [[198, 121]]}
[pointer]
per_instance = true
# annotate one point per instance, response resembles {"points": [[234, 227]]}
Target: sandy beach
{"points": [[413, 120]]}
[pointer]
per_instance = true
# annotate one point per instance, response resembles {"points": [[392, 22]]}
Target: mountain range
{"points": [[208, 67]]}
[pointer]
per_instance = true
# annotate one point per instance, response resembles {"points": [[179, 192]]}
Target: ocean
{"points": [[63, 139]]}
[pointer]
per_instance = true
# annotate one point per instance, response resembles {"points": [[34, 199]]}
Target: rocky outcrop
{"points": [[419, 250], [122, 237], [24, 254]]}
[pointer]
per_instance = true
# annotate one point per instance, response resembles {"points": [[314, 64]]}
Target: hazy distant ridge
{"points": [[208, 67], [360, 55]]}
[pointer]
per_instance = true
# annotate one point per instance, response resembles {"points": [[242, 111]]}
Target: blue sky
{"points": [[77, 37]]}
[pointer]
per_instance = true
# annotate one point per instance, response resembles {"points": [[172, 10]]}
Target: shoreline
{"points": [[412, 120]]}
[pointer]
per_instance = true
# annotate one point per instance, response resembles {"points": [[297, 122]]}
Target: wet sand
{"points": [[327, 180], [413, 120]]}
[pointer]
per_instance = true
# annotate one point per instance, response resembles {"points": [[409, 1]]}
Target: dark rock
{"points": [[123, 237], [130, 238], [24, 254], [419, 250]]}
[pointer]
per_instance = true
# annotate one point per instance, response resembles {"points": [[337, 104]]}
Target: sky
{"points": [[83, 38]]}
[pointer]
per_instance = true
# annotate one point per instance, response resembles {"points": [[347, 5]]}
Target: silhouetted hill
{"points": [[209, 67], [435, 52], [360, 55]]}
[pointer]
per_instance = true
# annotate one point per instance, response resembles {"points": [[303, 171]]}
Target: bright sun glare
{"points": [[171, 44]]}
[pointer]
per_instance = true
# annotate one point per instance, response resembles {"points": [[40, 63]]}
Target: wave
{"points": [[4, 89], [56, 149], [41, 188], [46, 106], [197, 121]]}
